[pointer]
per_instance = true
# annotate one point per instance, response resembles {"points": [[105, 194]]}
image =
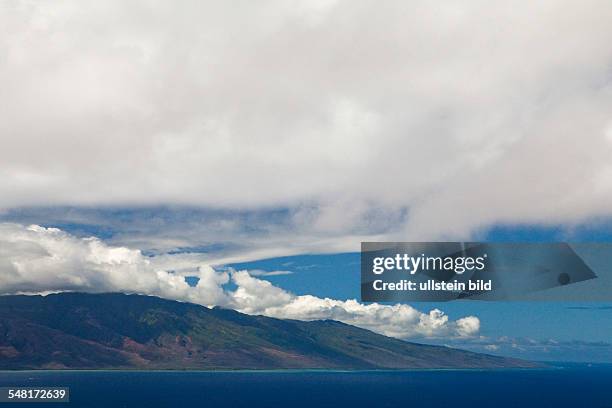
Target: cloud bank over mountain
{"points": [[34, 259], [412, 120]]}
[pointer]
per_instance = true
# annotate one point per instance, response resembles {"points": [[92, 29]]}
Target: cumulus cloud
{"points": [[457, 114], [256, 296], [34, 259]]}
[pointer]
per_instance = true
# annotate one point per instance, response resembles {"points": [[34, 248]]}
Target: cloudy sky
{"points": [[142, 142]]}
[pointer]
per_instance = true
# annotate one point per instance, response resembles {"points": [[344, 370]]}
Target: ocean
{"points": [[567, 385]]}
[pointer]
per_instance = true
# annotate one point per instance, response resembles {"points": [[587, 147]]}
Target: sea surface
{"points": [[569, 385]]}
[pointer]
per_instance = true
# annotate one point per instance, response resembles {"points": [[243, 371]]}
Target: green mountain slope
{"points": [[89, 331]]}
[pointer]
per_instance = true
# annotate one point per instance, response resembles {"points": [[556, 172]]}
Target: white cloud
{"points": [[36, 259], [259, 273], [462, 113], [256, 296], [534, 349], [468, 326]]}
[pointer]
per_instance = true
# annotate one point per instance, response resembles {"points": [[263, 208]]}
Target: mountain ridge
{"points": [[121, 331]]}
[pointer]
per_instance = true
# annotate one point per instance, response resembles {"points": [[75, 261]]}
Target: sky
{"points": [[145, 142]]}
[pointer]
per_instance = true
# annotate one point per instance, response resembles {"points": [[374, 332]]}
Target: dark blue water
{"points": [[572, 386]]}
